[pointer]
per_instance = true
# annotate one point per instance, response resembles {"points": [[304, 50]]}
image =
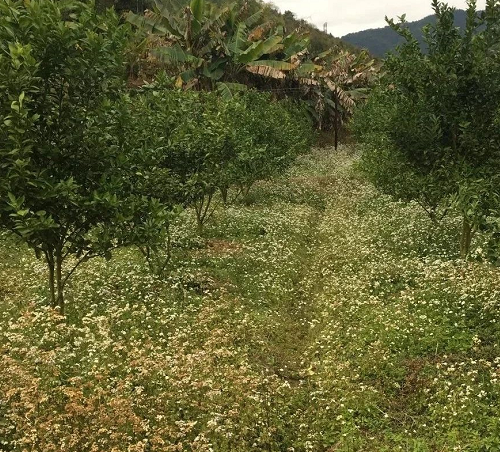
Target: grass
{"points": [[319, 316]]}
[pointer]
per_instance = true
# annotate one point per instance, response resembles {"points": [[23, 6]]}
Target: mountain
{"points": [[379, 41]]}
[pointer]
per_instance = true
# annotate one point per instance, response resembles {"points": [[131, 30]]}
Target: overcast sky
{"points": [[355, 15]]}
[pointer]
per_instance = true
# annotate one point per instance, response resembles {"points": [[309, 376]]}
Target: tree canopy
{"points": [[432, 126]]}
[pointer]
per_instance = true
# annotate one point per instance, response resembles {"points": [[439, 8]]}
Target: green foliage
{"points": [[384, 163], [197, 142], [233, 47], [319, 40], [333, 83], [87, 167], [265, 138], [433, 121], [64, 188], [210, 44]]}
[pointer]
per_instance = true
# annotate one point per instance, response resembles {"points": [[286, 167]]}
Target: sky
{"points": [[345, 17]]}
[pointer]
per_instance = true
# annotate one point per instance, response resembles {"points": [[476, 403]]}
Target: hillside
{"points": [[379, 41]]}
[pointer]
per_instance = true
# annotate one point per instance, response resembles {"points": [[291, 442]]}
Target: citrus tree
{"points": [[432, 125], [197, 144], [65, 188], [265, 137]]}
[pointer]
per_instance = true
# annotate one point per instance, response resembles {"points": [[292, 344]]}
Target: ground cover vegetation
{"points": [[320, 316], [179, 272]]}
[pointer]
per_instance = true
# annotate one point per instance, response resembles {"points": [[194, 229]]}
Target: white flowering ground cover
{"points": [[318, 316]]}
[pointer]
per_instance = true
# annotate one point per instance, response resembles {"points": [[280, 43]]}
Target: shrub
{"points": [[64, 184], [432, 124], [266, 137], [198, 143]]}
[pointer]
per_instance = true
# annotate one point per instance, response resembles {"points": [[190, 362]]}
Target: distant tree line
{"points": [[380, 41]]}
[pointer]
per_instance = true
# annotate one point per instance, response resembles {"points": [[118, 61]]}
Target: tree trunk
{"points": [[224, 192], [199, 218], [202, 210], [246, 190], [49, 257], [466, 239], [59, 281], [336, 123]]}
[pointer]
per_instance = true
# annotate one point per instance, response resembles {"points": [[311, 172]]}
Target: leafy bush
{"points": [[64, 188], [265, 138], [198, 143], [432, 125]]}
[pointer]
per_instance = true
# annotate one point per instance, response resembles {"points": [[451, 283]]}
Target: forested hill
{"points": [[320, 41], [381, 40]]}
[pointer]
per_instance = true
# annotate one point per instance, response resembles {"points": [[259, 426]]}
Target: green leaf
{"points": [[308, 68], [150, 25], [324, 54], [13, 200], [187, 76], [176, 55], [213, 74], [280, 65], [227, 90], [198, 8], [239, 39], [270, 45], [254, 19]]}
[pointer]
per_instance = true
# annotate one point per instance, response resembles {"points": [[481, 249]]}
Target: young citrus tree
{"points": [[431, 126], [64, 185], [198, 143], [265, 137]]}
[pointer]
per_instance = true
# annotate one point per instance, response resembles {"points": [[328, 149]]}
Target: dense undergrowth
{"points": [[319, 315]]}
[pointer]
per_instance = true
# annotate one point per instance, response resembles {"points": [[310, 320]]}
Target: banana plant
{"points": [[333, 83], [213, 47]]}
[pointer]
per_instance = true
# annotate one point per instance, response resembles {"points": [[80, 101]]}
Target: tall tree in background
{"points": [[231, 48], [333, 84], [207, 46]]}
